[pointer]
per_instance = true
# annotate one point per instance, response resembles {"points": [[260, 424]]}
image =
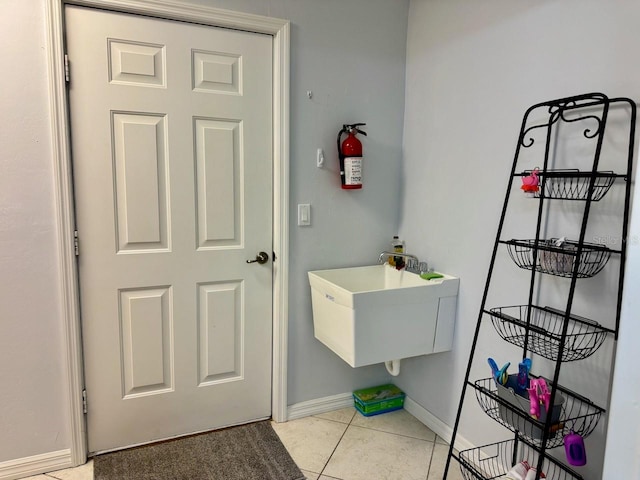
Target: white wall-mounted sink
{"points": [[376, 313]]}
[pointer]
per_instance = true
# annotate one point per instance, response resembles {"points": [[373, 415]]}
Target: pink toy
{"points": [[534, 400], [530, 183], [544, 395], [538, 394]]}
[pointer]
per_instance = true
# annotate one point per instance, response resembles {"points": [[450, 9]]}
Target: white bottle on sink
{"points": [[397, 246]]}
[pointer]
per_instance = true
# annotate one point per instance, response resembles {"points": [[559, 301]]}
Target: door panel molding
{"points": [[60, 132]]}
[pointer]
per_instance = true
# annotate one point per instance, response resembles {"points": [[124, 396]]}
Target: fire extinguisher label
{"points": [[353, 171]]}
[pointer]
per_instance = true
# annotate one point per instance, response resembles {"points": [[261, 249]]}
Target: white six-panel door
{"points": [[171, 137]]}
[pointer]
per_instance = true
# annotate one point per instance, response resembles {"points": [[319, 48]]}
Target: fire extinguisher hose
{"points": [[340, 154]]}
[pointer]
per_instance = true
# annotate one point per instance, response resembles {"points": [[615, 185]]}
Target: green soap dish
{"points": [[431, 275]]}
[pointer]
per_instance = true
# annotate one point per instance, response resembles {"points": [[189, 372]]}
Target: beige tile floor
{"points": [[344, 445]]}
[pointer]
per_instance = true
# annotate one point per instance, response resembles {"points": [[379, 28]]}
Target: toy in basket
{"points": [[526, 393]]}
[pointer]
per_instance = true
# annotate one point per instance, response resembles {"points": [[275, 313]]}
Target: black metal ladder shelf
{"points": [[536, 326]]}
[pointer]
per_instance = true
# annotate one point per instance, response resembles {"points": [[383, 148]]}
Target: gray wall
{"points": [[356, 73], [33, 412], [472, 70]]}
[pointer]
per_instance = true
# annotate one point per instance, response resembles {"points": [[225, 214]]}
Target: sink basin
{"points": [[376, 313]]}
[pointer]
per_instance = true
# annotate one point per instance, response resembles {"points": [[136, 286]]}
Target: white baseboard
{"points": [[440, 428], [343, 400], [319, 405], [30, 466]]}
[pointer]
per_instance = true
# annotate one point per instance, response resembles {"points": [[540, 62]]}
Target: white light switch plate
{"points": [[304, 214]]}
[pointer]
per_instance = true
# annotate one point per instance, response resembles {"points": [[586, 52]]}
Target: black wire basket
{"points": [[571, 412], [573, 185], [559, 260], [543, 333], [494, 461]]}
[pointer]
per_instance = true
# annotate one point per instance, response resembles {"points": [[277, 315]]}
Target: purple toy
{"points": [[574, 449]]}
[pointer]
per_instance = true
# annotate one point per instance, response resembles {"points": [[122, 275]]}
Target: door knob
{"points": [[261, 258]]}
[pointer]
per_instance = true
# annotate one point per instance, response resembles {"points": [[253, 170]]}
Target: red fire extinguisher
{"points": [[350, 153]]}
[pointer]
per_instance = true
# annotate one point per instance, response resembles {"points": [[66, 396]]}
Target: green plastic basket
{"points": [[377, 400]]}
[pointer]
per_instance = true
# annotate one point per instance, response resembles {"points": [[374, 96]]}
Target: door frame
{"points": [[279, 29]]}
